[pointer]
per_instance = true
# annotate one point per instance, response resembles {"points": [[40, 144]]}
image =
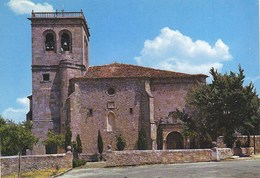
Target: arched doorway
{"points": [[174, 140]]}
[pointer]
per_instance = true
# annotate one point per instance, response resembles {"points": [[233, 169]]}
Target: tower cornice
{"points": [[59, 18]]}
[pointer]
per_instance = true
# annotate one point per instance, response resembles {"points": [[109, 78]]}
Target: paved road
{"points": [[230, 169]]}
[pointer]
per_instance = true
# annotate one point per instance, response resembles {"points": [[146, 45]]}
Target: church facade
{"points": [[115, 98]]}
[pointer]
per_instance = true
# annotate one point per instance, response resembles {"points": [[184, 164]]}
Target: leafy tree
{"points": [[54, 139], [142, 142], [68, 136], [28, 124], [15, 138], [224, 106], [2, 121], [120, 143], [100, 143]]}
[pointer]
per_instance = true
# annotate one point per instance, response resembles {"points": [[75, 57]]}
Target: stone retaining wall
{"points": [[9, 164], [254, 141], [221, 154], [138, 157]]}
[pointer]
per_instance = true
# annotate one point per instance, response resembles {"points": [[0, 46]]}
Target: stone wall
{"points": [[138, 157], [169, 95], [221, 153], [254, 141], [125, 105], [49, 95], [9, 164]]}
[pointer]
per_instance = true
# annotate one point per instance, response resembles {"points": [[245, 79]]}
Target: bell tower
{"points": [[60, 43]]}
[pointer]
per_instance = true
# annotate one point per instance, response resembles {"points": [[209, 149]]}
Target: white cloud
{"points": [[17, 114], [171, 50], [26, 6]]}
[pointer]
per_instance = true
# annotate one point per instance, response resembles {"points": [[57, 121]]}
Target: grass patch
{"points": [[37, 174]]}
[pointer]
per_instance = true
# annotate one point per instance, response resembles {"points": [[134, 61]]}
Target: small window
{"points": [[111, 91], [90, 112], [46, 77], [49, 42], [131, 110], [111, 105]]}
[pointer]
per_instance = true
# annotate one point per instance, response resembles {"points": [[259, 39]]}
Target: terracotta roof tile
{"points": [[118, 70]]}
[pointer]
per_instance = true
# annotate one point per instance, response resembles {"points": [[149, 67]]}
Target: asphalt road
{"points": [[230, 169]]}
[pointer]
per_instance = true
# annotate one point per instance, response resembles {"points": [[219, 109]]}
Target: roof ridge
{"points": [[115, 70]]}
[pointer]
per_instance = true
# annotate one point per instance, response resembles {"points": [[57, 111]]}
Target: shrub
{"points": [[79, 144], [205, 141], [100, 143], [238, 144], [142, 142], [68, 136], [120, 143], [78, 162], [246, 144]]}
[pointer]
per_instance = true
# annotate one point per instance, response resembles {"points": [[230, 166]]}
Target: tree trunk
{"points": [[19, 164]]}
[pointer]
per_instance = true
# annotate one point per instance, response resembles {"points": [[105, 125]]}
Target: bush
{"points": [[238, 144], [100, 143], [78, 162], [205, 141], [120, 143], [142, 142], [68, 136], [79, 144], [246, 144]]}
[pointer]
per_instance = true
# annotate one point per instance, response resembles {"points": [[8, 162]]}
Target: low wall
{"points": [[254, 141], [9, 164], [88, 157], [139, 157], [221, 154]]}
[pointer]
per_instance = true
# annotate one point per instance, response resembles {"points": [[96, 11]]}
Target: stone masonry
{"points": [[9, 164], [140, 157], [115, 98]]}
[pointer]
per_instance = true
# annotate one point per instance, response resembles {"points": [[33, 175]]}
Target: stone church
{"points": [[115, 98]]}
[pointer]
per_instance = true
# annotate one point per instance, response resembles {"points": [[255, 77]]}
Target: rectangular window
{"points": [[90, 112], [46, 77], [131, 110], [111, 105]]}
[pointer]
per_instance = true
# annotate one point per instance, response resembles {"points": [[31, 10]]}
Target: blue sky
{"points": [[182, 35]]}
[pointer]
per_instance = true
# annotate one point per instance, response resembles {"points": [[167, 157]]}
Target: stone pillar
{"points": [[164, 145], [68, 157]]}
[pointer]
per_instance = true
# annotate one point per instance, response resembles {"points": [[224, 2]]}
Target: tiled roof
{"points": [[117, 70]]}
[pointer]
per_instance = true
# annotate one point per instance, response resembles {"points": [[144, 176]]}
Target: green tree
{"points": [[14, 139], [2, 121], [142, 142], [120, 143], [224, 106], [54, 140], [159, 136], [78, 144], [28, 124], [68, 136], [100, 143]]}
